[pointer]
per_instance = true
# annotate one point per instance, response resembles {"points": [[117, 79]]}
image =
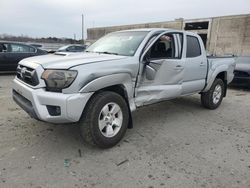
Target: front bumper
{"points": [[36, 101]]}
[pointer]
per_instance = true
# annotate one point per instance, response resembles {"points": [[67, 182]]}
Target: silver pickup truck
{"points": [[118, 73]]}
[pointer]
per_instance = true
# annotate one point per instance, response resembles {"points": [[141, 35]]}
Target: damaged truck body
{"points": [[117, 74]]}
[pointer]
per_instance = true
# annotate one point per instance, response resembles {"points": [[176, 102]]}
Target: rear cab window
{"points": [[193, 47]]}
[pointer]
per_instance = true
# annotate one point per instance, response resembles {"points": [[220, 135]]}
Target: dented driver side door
{"points": [[162, 71]]}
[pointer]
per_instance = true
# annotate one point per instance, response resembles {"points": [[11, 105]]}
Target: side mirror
{"points": [[147, 59]]}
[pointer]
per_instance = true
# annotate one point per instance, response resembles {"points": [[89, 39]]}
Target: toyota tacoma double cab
{"points": [[122, 71]]}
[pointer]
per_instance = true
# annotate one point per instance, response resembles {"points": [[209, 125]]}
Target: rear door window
{"points": [[18, 48], [193, 47], [71, 49], [79, 48]]}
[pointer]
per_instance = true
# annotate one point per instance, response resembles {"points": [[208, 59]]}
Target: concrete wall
{"points": [[230, 35], [96, 33], [226, 35]]}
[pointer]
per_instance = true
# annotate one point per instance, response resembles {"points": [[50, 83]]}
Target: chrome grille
{"points": [[27, 75]]}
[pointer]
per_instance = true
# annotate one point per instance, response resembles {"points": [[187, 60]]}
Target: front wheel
{"points": [[105, 119], [213, 97]]}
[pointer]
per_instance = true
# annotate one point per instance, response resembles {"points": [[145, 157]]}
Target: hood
{"points": [[68, 60]]}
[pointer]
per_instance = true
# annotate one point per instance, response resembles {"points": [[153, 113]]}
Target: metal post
{"points": [[83, 28]]}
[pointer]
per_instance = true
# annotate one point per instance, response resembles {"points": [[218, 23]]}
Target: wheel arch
{"points": [[223, 77], [222, 74], [118, 83], [121, 90]]}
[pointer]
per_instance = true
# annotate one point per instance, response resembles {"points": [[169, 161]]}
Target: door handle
{"points": [[202, 64], [178, 67]]}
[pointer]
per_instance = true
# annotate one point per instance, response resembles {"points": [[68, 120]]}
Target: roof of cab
{"points": [[151, 30], [13, 42]]}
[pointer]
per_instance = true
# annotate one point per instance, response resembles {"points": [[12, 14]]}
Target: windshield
{"points": [[120, 43]]}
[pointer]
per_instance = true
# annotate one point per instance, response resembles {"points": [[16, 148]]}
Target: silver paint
{"points": [[143, 82]]}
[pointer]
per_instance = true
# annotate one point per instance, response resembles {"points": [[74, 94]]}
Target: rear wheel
{"points": [[105, 120], [213, 97]]}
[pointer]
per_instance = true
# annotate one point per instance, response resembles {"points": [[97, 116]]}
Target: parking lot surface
{"points": [[175, 143]]}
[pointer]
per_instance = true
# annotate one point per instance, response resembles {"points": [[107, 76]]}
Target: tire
{"points": [[99, 127], [208, 98]]}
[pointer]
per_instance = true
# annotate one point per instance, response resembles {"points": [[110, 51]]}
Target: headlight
{"points": [[56, 80]]}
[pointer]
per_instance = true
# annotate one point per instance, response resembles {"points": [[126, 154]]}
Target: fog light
{"points": [[54, 110]]}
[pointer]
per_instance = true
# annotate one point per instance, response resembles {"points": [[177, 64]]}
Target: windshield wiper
{"points": [[111, 53]]}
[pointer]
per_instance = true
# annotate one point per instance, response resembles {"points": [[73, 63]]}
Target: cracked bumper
{"points": [[35, 102]]}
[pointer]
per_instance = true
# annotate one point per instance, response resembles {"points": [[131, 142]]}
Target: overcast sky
{"points": [[62, 18]]}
